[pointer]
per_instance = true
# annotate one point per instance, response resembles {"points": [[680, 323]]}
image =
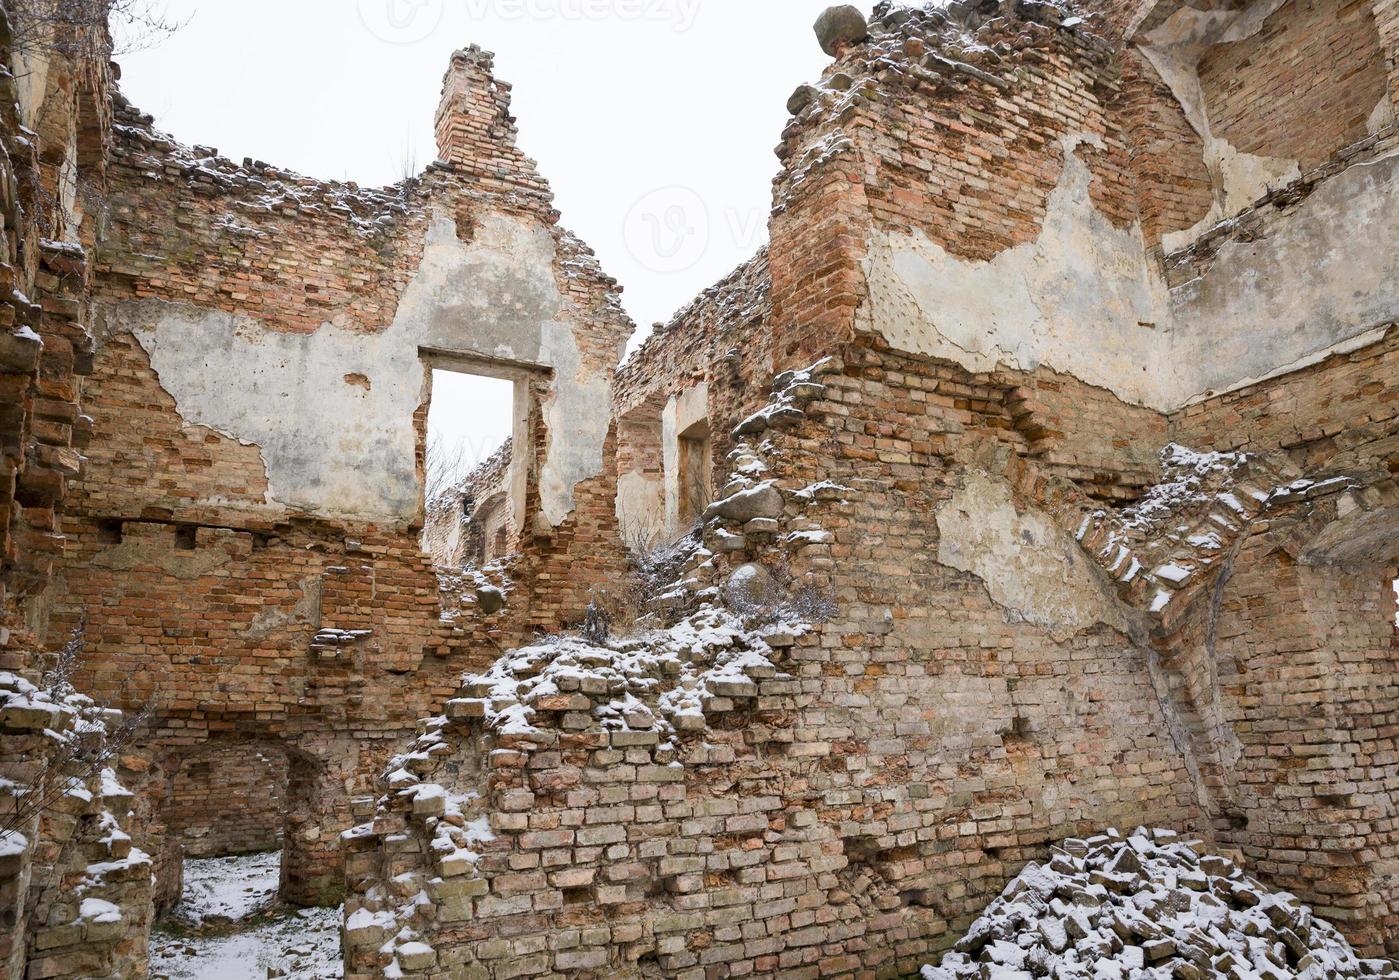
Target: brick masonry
{"points": [[997, 604]]}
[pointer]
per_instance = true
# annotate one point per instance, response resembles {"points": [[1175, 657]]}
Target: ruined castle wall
{"points": [[1064, 277], [849, 813], [243, 547], [1024, 680], [712, 362], [1306, 85], [1000, 223]]}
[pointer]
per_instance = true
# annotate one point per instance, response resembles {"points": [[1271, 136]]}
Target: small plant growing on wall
{"points": [[597, 624], [81, 738]]}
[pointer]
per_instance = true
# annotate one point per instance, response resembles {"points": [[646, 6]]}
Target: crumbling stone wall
{"points": [[258, 581], [1030, 599], [952, 600], [472, 524], [714, 351], [75, 896]]}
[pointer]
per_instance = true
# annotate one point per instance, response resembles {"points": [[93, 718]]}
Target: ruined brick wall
{"points": [[1303, 87], [851, 812], [249, 779], [720, 342], [1166, 155], [1308, 656], [470, 524], [259, 582], [1024, 621], [75, 891]]}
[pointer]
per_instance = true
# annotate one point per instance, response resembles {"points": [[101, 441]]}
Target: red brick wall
{"points": [[206, 599], [1308, 663], [229, 799], [1303, 87], [1166, 154]]}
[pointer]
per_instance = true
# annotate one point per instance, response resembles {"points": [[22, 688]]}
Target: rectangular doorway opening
{"points": [[471, 481]]}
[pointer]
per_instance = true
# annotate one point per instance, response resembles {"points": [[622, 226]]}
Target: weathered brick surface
{"points": [[1020, 620], [1303, 87]]}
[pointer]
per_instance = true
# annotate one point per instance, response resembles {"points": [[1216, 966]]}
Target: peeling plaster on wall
{"points": [[1082, 298], [271, 620], [1076, 298], [1175, 49], [346, 449], [143, 553], [1031, 567], [577, 414], [640, 508], [31, 82], [1383, 117], [1352, 289]]}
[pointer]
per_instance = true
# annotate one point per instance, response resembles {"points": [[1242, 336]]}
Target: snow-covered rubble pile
{"points": [[1150, 906], [657, 681]]}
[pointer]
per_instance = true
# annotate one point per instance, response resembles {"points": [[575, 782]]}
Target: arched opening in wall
{"points": [[473, 482], [250, 817], [224, 815]]}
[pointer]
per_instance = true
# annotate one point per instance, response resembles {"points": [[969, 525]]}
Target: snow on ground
{"points": [[228, 926], [228, 889]]}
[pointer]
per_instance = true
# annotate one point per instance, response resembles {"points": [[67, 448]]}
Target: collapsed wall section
{"points": [[244, 543], [75, 893]]}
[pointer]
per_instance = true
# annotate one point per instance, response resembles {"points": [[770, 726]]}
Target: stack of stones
{"points": [[1148, 906], [554, 794], [76, 892]]}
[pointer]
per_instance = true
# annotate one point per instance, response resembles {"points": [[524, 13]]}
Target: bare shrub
{"points": [[597, 625], [84, 750], [76, 28]]}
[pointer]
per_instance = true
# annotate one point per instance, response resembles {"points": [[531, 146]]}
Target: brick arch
{"points": [[243, 795]]}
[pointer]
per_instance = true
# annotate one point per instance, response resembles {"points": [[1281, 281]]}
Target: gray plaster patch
{"points": [[1323, 281], [347, 449], [1031, 567], [1082, 298], [1175, 49]]}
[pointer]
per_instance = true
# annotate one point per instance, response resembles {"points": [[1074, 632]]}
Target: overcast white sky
{"points": [[654, 120], [631, 107]]}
